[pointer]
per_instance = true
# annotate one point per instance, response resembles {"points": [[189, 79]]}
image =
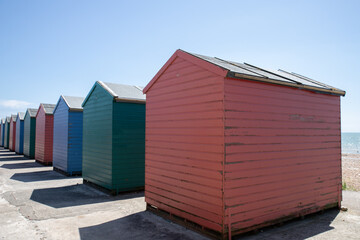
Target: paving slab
{"points": [[39, 203]]}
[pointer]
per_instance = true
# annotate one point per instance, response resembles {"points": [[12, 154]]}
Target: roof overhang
{"points": [[273, 81], [221, 71]]}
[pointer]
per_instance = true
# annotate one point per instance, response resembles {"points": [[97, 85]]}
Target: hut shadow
{"points": [[308, 227], [21, 165], [76, 195], [13, 158], [9, 154], [37, 176], [142, 225]]}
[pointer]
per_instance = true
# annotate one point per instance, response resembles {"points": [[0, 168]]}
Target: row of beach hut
{"points": [[220, 146]]}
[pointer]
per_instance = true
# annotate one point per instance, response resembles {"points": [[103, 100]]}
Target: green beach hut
{"points": [[29, 132], [7, 132], [114, 137]]}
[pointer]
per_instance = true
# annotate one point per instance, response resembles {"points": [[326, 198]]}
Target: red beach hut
{"points": [[233, 147], [12, 135], [44, 133]]}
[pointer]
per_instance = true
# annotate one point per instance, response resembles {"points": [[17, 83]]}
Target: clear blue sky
{"points": [[49, 48]]}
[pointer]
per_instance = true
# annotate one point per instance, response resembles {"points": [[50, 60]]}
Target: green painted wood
{"points": [[97, 138], [128, 146]]}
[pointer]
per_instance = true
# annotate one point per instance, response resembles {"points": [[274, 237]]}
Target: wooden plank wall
{"points": [[40, 135], [29, 136], [6, 134], [128, 166], [12, 135], [97, 138], [44, 137], [19, 145], [185, 144], [61, 127], [283, 152]]}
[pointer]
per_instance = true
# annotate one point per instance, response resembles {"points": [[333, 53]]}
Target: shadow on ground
{"points": [[21, 165], [38, 176], [142, 225], [75, 195], [15, 158], [311, 226]]}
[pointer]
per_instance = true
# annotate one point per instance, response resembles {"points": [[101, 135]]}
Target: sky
{"points": [[61, 47]]}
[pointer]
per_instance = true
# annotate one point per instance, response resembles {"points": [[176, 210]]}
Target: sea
{"points": [[350, 142]]}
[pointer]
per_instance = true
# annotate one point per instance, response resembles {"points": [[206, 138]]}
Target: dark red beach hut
{"points": [[233, 147], [44, 133], [12, 135]]}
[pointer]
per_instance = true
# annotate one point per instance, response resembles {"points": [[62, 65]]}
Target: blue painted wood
{"points": [[67, 148], [19, 140], [60, 143], [75, 136]]}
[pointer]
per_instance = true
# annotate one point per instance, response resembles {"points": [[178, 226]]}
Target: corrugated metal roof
{"points": [[48, 108], [73, 102], [32, 112], [244, 70], [21, 115], [124, 92]]}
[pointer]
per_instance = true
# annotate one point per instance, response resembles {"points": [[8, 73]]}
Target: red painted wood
{"points": [[216, 145], [12, 135], [185, 143], [44, 136], [282, 151], [180, 56]]}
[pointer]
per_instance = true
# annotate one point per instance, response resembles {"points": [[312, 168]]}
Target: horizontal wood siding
{"points": [[2, 127], [12, 135], [60, 150], [29, 136], [185, 144], [1, 135], [6, 135], [75, 136], [19, 145], [128, 146], [97, 138], [44, 136], [282, 152], [49, 137]]}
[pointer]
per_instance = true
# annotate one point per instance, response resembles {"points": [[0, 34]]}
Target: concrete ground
{"points": [[38, 203]]}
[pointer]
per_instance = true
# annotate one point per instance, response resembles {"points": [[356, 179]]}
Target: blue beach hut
{"points": [[68, 131], [19, 139], [2, 132]]}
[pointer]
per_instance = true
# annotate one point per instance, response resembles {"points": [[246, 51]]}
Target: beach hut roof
{"points": [[20, 115], [250, 72], [48, 108], [31, 111], [13, 116], [8, 119], [120, 92], [73, 103]]}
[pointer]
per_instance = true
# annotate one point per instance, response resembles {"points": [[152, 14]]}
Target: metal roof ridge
{"points": [[107, 88], [308, 79], [232, 63], [273, 73]]}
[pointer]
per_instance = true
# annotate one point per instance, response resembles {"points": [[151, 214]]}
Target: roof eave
{"points": [[75, 109], [277, 82], [133, 100]]}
